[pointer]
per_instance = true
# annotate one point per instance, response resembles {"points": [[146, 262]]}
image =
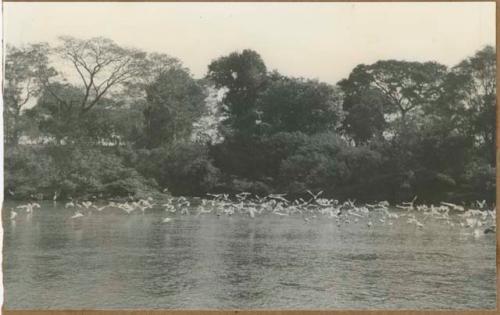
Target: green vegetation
{"points": [[90, 118]]}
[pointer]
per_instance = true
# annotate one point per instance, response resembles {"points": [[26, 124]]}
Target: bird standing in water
{"points": [[13, 214]]}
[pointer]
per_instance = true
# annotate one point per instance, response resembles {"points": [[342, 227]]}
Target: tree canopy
{"points": [[242, 75], [90, 117], [174, 101]]}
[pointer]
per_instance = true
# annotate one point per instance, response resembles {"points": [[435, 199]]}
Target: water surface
{"points": [[114, 260]]}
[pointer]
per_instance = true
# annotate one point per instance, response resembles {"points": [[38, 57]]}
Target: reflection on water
{"points": [[114, 260]]}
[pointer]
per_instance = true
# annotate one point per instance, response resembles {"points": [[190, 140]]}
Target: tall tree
{"points": [[290, 105], [364, 107], [174, 101], [62, 122], [473, 86], [206, 128], [153, 66], [402, 88], [407, 85], [21, 86], [99, 65], [242, 75]]}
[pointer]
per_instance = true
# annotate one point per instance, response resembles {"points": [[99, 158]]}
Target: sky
{"points": [[322, 41]]}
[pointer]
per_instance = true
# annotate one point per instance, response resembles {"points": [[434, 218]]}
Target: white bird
{"points": [[87, 204], [216, 196], [242, 195], [384, 203], [315, 196], [166, 220], [203, 210], [414, 220], [251, 211], [471, 222], [29, 207], [412, 201], [99, 208], [280, 213], [478, 233], [169, 207], [369, 223], [280, 197], [142, 205], [392, 215], [13, 215], [481, 204], [259, 199], [126, 207], [77, 215], [453, 206]]}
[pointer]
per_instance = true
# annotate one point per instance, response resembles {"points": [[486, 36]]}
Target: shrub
{"points": [[71, 171]]}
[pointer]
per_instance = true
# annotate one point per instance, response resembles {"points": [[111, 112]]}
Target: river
{"points": [[110, 260]]}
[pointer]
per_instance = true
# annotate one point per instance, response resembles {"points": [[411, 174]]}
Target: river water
{"points": [[113, 260]]}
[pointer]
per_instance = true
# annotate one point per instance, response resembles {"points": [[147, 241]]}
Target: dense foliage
{"points": [[130, 123]]}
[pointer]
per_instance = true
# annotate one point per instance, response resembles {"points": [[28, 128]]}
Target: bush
{"points": [[183, 168], [71, 171], [28, 172], [326, 162], [479, 181]]}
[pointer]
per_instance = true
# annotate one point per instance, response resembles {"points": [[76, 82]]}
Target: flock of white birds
{"points": [[477, 219]]}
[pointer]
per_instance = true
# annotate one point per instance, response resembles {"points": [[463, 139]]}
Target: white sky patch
{"points": [[315, 40]]}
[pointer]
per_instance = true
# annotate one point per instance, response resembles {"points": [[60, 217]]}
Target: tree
{"points": [[61, 121], [174, 101], [290, 105], [364, 107], [21, 86], [206, 128], [99, 66], [405, 88], [407, 85], [325, 162], [242, 75], [153, 66], [99, 70], [186, 168], [473, 86]]}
